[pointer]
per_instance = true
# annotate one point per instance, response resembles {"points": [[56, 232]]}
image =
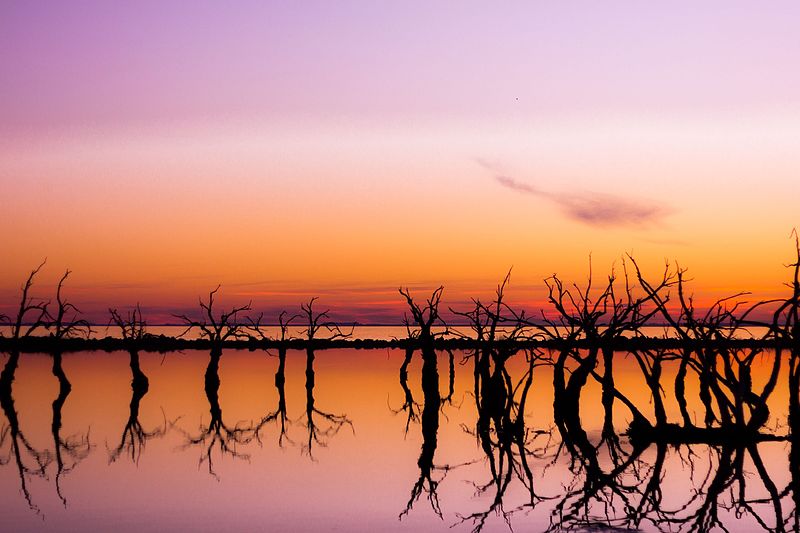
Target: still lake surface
{"points": [[362, 443]]}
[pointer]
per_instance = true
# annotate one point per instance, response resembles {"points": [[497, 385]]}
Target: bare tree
{"points": [[32, 313], [66, 323], [134, 437], [279, 415], [216, 329], [424, 317], [132, 326], [14, 445], [316, 321]]}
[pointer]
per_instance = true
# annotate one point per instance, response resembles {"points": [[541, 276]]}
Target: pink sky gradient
{"points": [[158, 150]]}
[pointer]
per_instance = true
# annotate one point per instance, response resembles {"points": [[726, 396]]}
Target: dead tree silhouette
{"points": [[321, 426], [71, 450], [432, 402], [217, 434], [733, 409], [424, 318], [216, 329], [279, 415], [600, 319], [785, 329], [14, 445], [421, 330], [497, 328], [134, 437]]}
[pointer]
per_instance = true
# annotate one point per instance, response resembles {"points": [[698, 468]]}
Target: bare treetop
{"points": [[66, 323], [424, 317], [132, 327], [216, 328], [31, 313], [316, 321]]}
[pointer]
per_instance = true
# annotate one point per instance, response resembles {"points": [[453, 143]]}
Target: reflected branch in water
{"points": [[217, 435], [421, 329], [279, 415], [134, 437], [32, 314], [14, 446], [410, 406], [71, 450], [507, 443], [432, 402], [320, 425]]}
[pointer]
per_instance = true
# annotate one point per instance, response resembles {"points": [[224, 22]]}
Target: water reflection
{"points": [[534, 444], [217, 436], [134, 437], [18, 451], [70, 450]]}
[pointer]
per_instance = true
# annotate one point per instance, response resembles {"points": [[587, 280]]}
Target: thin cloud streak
{"points": [[593, 209], [607, 210]]}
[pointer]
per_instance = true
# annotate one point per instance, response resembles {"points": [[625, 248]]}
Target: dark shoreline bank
{"points": [[163, 343]]}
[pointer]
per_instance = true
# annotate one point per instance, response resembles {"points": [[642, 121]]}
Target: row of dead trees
{"points": [[623, 306], [734, 405]]}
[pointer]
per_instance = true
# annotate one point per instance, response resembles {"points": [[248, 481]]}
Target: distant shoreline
{"points": [[162, 343]]}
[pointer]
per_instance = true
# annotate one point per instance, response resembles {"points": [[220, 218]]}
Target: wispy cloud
{"points": [[607, 210], [594, 209]]}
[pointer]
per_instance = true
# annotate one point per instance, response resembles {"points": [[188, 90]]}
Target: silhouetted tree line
{"points": [[613, 314], [616, 479]]}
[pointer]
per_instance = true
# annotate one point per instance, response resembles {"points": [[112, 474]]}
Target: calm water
{"points": [[352, 445]]}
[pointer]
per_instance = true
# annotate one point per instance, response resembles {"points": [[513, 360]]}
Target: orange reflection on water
{"points": [[355, 478]]}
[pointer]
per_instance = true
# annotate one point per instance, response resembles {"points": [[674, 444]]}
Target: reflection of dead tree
{"points": [[14, 446], [430, 428], [28, 460], [410, 406], [134, 436], [217, 435], [424, 320], [279, 415], [786, 329], [69, 451], [496, 327], [506, 441], [500, 427], [601, 319], [731, 405], [321, 426], [629, 493]]}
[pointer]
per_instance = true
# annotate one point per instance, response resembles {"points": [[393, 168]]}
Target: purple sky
{"points": [[100, 64]]}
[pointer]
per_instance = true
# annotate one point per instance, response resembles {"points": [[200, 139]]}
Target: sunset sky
{"points": [[343, 149]]}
